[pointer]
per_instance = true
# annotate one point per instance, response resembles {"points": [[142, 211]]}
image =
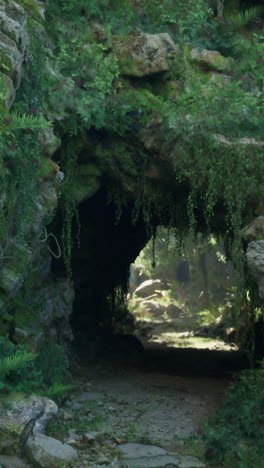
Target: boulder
{"points": [[211, 60], [255, 230], [141, 54], [255, 261], [137, 276], [156, 309], [173, 311], [149, 287], [47, 452], [20, 411]]}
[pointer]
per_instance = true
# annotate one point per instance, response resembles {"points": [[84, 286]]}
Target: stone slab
{"points": [[150, 456]]}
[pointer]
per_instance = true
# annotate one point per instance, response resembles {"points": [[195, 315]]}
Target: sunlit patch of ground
{"points": [[187, 340], [178, 332]]}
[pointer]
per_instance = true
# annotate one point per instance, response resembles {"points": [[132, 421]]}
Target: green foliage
{"points": [[58, 391], [86, 90], [241, 19], [15, 121], [32, 94], [189, 17], [234, 437], [20, 150], [92, 98], [44, 373], [74, 8], [90, 74], [19, 373], [12, 363]]}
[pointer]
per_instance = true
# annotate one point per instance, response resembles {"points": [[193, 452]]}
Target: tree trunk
{"points": [[220, 8]]}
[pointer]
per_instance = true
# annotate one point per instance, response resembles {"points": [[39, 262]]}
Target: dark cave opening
{"points": [[100, 266]]}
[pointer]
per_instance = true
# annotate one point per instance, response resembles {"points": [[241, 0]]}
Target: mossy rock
{"points": [[211, 60], [254, 231], [7, 92], [47, 169], [140, 54], [84, 187], [9, 427]]}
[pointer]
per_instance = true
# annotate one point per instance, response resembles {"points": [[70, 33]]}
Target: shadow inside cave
{"points": [[127, 352]]}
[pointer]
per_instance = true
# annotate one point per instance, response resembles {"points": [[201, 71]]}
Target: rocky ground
{"points": [[129, 417], [148, 411]]}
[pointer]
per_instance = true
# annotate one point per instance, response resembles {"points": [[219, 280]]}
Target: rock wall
{"points": [[33, 303]]}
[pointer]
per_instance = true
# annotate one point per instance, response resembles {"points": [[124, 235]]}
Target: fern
{"points": [[15, 121], [18, 361], [239, 20], [58, 391]]}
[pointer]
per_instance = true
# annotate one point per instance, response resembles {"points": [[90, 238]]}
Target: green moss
{"points": [[211, 60], [46, 169], [84, 187], [141, 99]]}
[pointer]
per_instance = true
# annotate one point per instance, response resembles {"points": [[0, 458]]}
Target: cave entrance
{"points": [[108, 244], [108, 320]]}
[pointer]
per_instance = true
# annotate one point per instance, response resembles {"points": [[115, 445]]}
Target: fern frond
{"points": [[16, 121], [241, 19], [12, 363], [58, 389], [24, 121]]}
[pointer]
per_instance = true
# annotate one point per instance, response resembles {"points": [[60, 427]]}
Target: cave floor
{"points": [[116, 405]]}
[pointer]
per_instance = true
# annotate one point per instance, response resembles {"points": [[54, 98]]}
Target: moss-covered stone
{"points": [[141, 54], [211, 60], [254, 231], [44, 451], [47, 169], [84, 187], [11, 59], [13, 20]]}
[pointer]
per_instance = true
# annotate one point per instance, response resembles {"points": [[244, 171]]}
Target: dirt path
{"points": [[127, 417], [162, 407]]}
